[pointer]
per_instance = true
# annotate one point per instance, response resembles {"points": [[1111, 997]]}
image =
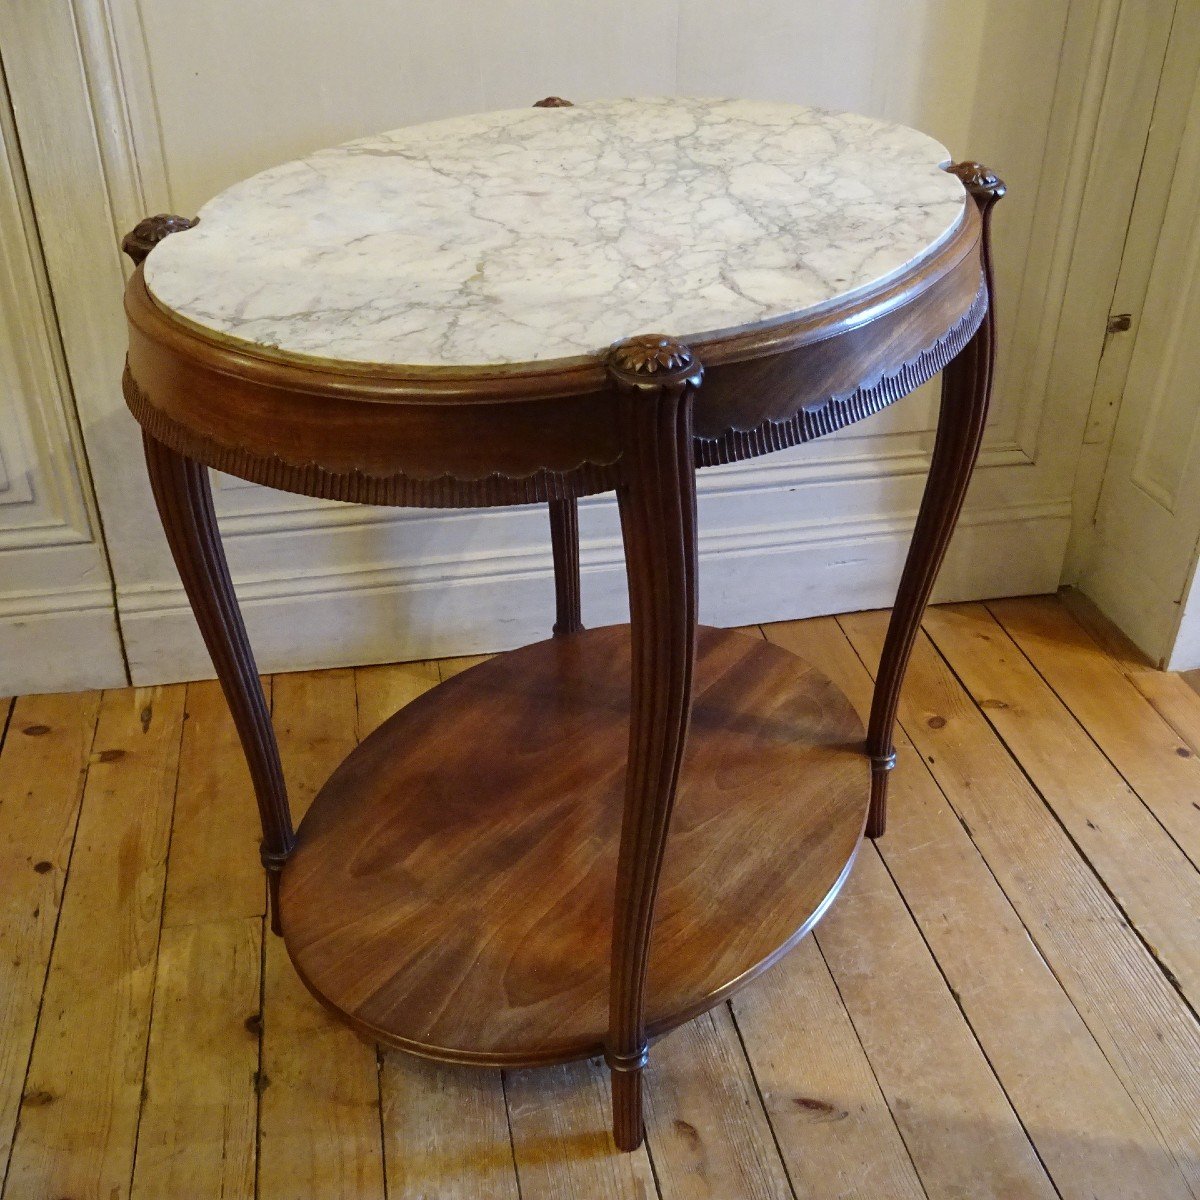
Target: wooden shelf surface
{"points": [[451, 891]]}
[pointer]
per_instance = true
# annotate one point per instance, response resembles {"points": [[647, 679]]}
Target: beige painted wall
{"points": [[57, 622], [156, 106]]}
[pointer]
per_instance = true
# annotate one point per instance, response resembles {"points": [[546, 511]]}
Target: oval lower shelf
{"points": [[452, 885]]}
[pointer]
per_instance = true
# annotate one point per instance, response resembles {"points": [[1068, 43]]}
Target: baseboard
{"points": [[492, 600], [63, 642]]}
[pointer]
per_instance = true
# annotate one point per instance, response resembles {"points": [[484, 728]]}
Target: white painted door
{"points": [[57, 617], [156, 105], [1141, 560]]}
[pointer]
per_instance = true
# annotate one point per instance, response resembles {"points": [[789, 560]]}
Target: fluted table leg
{"points": [[564, 542], [656, 379], [184, 498], [966, 391]]}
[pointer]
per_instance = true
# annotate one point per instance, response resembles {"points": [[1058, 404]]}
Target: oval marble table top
{"points": [[549, 233]]}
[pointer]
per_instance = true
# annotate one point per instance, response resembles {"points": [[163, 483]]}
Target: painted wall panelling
{"points": [[1139, 554], [164, 105], [57, 616]]}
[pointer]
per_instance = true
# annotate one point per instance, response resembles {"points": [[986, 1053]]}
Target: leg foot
{"points": [[881, 767], [628, 1124], [273, 865], [273, 902]]}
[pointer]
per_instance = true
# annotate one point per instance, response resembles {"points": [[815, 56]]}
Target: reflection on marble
{"points": [[546, 233]]}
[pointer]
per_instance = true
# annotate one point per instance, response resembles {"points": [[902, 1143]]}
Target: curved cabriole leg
{"points": [[564, 542], [966, 390], [184, 498], [655, 379]]}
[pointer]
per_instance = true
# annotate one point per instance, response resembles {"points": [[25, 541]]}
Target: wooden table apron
{"points": [[638, 420]]}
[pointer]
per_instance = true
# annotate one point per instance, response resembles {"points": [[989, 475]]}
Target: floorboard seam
{"points": [[162, 912], [762, 1100], [1087, 732], [383, 1154], [1126, 918], [62, 903], [8, 715], [870, 1065], [512, 1141], [379, 1111], [1147, 1115], [658, 1188], [265, 932], [954, 995], [269, 690]]}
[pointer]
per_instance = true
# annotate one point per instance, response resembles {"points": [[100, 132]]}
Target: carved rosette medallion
{"points": [[147, 233], [652, 361]]}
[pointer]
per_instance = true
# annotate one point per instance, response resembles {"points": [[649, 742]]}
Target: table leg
{"points": [[564, 523], [184, 498], [655, 379], [966, 391], [564, 542]]}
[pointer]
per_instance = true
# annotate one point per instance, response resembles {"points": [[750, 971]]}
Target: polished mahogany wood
{"points": [[522, 433], [966, 391], [656, 379], [147, 233], [564, 544], [451, 888], [637, 421], [183, 495]]}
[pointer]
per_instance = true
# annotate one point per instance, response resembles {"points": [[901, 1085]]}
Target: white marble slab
{"points": [[546, 233]]}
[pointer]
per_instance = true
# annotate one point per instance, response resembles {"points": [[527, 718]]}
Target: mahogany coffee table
{"points": [[576, 846]]}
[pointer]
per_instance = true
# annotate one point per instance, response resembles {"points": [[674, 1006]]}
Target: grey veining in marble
{"points": [[546, 233]]}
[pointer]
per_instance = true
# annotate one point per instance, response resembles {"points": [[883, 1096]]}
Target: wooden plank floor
{"points": [[1003, 1003]]}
